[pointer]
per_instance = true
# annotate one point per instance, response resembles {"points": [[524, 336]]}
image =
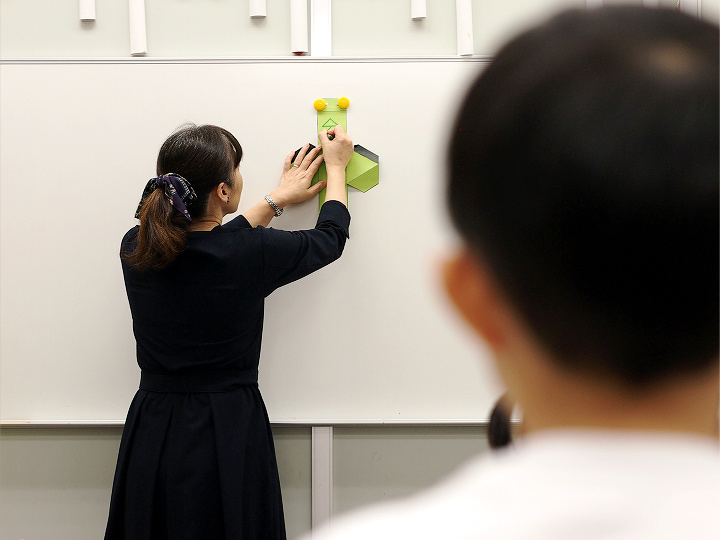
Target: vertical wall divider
{"points": [[463, 13], [138, 27], [86, 10], [299, 27], [320, 27], [418, 10], [322, 475]]}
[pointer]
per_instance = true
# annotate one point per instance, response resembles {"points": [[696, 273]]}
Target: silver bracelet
{"points": [[278, 211]]}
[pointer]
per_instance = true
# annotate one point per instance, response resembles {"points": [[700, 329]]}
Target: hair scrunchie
{"points": [[177, 190]]}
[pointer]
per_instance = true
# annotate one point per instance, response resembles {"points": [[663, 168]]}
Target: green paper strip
{"points": [[329, 117], [362, 171]]}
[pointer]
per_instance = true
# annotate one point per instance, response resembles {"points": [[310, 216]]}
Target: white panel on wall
{"points": [[48, 28], [56, 482], [711, 10], [496, 22], [691, 7], [377, 464], [51, 29], [216, 29], [385, 28]]}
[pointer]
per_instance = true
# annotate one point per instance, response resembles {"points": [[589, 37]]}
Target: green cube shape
{"points": [[363, 170]]}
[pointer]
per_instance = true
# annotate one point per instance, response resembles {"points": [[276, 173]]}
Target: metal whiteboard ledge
{"points": [[420, 422], [247, 60]]}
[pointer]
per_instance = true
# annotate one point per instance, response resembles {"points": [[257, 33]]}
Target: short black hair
{"points": [[583, 171]]}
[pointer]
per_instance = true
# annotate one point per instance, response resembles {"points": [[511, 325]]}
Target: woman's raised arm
{"points": [[295, 182]]}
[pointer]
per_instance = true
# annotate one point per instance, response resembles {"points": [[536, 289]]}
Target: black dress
{"points": [[196, 459]]}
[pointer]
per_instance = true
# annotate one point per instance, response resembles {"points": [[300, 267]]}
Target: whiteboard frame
{"points": [[244, 60], [281, 63]]}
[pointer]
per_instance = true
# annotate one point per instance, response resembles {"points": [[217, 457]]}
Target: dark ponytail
{"points": [[203, 155]]}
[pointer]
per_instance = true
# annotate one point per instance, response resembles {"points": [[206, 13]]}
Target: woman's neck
{"points": [[206, 223]]}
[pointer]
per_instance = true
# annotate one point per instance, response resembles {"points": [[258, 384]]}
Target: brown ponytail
{"points": [[161, 236], [205, 156]]}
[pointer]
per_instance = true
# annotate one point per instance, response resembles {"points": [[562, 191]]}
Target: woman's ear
{"points": [[222, 191], [475, 296]]}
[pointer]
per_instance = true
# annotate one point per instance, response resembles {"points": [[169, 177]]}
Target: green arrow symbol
{"points": [[330, 124]]}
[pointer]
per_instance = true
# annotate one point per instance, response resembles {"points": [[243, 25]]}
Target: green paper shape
{"points": [[331, 115], [363, 171]]}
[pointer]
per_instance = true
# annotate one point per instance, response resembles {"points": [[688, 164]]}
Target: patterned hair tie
{"points": [[177, 190]]}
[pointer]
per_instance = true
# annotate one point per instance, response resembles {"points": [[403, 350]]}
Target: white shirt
{"points": [[565, 484]]}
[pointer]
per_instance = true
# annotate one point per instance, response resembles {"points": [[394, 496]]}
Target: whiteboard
{"points": [[370, 337]]}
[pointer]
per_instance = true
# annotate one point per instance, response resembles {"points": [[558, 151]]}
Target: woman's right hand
{"points": [[336, 153], [338, 150]]}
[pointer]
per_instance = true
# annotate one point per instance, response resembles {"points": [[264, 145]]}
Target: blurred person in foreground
{"points": [[583, 180]]}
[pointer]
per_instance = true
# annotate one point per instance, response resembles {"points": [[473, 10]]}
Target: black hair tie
{"points": [[177, 190]]}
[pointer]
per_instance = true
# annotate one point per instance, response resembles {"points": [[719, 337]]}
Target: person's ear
{"points": [[222, 191], [475, 296]]}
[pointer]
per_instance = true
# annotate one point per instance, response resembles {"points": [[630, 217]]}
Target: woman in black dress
{"points": [[196, 459]]}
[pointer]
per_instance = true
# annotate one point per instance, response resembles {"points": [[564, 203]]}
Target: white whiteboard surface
{"points": [[370, 337]]}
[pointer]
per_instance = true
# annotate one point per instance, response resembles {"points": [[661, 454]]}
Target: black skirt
{"points": [[196, 465]]}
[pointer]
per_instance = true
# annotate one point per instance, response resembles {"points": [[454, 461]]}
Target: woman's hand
{"points": [[295, 182], [337, 153], [337, 147], [296, 177]]}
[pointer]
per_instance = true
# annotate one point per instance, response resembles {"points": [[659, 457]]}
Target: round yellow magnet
{"points": [[319, 104], [343, 103]]}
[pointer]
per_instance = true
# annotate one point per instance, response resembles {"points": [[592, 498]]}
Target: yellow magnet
{"points": [[343, 103], [319, 104]]}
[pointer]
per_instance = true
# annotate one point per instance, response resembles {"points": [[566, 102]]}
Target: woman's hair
{"points": [[205, 156], [584, 173]]}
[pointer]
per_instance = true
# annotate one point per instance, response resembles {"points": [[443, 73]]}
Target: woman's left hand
{"points": [[296, 178]]}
